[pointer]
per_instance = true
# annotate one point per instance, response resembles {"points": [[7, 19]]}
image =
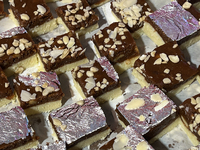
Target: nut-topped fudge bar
{"points": [[116, 43], [149, 111], [129, 139], [34, 16], [17, 50], [38, 92], [16, 131], [78, 17], [173, 23], [165, 67], [2, 12], [80, 124], [190, 116], [131, 13], [62, 53], [97, 3], [98, 78]]}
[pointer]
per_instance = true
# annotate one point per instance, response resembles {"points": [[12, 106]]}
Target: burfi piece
{"points": [[15, 130], [129, 139], [80, 124], [172, 23], [131, 13], [78, 17], [62, 53], [2, 12], [38, 92], [166, 68], [17, 50], [116, 43], [149, 111], [97, 78], [97, 3]]}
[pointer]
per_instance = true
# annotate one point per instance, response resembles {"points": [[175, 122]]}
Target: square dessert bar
{"points": [[34, 16], [173, 23], [62, 53], [38, 92], [116, 43], [97, 3], [2, 12], [128, 139], [166, 68], [132, 13], [80, 124], [15, 130], [78, 17], [17, 50], [98, 78], [149, 111]]}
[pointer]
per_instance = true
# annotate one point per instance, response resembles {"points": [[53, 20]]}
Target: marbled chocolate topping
{"points": [[14, 126], [12, 32], [76, 121], [175, 21]]}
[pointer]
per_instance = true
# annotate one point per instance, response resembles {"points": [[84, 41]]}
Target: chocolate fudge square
{"points": [[116, 43], [38, 92], [166, 68], [173, 23], [128, 138], [131, 13], [149, 111], [80, 124], [17, 50], [34, 16], [62, 53], [98, 79], [78, 17], [16, 131]]}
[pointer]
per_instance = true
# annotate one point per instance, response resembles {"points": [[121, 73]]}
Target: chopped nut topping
{"points": [[79, 74], [166, 81], [94, 69], [175, 45], [89, 73], [41, 9], [45, 85], [164, 57], [174, 58], [158, 61], [24, 17], [47, 90], [9, 51], [38, 89], [186, 5], [166, 71], [7, 84]]}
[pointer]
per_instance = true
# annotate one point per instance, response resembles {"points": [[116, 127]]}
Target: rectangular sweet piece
{"points": [[17, 50], [34, 16], [62, 53], [173, 23], [149, 111], [97, 3], [131, 13], [116, 43], [2, 12], [166, 68], [128, 138], [38, 92], [15, 130], [78, 17], [97, 78], [80, 124]]}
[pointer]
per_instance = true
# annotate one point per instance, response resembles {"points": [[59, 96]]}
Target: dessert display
{"points": [[116, 43], [98, 79], [17, 51], [62, 53], [34, 16], [173, 23], [97, 3], [131, 13], [80, 124], [166, 68], [15, 130], [38, 92], [77, 17], [2, 12], [129, 138]]}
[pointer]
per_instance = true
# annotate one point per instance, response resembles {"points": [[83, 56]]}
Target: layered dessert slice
{"points": [[2, 12], [62, 53], [149, 111], [166, 68], [34, 16], [15, 130], [128, 139], [97, 78], [17, 50], [131, 13], [173, 23], [97, 3], [116, 43], [78, 17], [80, 124], [38, 92]]}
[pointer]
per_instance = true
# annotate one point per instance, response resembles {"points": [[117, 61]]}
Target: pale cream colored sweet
{"points": [[97, 5], [5, 101], [29, 145]]}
